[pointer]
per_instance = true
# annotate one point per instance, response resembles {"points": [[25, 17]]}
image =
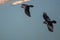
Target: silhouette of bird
{"points": [[27, 9], [48, 22]]}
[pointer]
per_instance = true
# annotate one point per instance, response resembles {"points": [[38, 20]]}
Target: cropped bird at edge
{"points": [[27, 9], [48, 21]]}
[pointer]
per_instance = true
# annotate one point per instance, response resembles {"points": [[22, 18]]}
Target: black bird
{"points": [[26, 8], [48, 22]]}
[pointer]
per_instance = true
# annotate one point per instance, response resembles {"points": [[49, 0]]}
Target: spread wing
{"points": [[27, 11], [50, 27], [46, 17]]}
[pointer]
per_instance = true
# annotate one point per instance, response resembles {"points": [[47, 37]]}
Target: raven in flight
{"points": [[26, 8], [48, 22]]}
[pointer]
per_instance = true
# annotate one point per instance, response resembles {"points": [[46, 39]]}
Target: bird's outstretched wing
{"points": [[31, 6], [46, 17], [50, 27], [54, 22], [27, 12], [27, 9]]}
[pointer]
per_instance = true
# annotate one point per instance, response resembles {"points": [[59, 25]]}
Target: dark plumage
{"points": [[27, 9], [48, 22]]}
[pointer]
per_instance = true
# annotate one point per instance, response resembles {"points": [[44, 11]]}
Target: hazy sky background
{"points": [[16, 25]]}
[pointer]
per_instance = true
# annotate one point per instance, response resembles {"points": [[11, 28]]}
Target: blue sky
{"points": [[15, 25]]}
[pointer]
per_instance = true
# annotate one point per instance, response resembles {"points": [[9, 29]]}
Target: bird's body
{"points": [[48, 22], [26, 8]]}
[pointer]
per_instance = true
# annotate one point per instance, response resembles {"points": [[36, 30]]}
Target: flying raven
{"points": [[26, 8], [48, 22]]}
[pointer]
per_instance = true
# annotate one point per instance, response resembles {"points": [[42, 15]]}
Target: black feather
{"points": [[31, 5], [27, 12], [54, 21], [50, 26], [27, 9]]}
